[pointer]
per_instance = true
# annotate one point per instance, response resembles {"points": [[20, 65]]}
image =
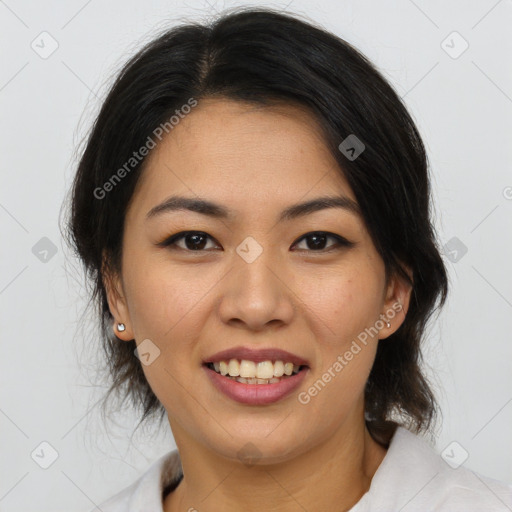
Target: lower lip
{"points": [[255, 394]]}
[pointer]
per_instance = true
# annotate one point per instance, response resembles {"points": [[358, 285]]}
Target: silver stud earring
{"points": [[121, 327], [388, 325]]}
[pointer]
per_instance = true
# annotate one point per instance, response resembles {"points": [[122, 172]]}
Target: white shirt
{"points": [[412, 477]]}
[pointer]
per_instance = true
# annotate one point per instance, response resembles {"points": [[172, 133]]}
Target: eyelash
{"points": [[341, 242]]}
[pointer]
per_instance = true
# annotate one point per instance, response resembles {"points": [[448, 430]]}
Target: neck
{"points": [[332, 476]]}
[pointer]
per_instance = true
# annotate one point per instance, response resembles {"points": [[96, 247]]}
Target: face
{"points": [[309, 283]]}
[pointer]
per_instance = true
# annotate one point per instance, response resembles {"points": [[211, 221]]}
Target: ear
{"points": [[116, 301], [396, 303]]}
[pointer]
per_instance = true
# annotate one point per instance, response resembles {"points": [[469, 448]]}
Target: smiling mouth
{"points": [[250, 372]]}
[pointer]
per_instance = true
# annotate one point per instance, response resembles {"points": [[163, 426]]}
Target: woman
{"points": [[252, 206]]}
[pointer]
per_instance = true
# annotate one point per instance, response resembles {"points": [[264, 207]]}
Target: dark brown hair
{"points": [[263, 56]]}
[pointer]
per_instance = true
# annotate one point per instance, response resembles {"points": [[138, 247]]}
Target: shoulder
{"points": [[413, 477], [145, 493]]}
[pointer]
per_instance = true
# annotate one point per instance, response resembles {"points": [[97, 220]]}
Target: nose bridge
{"points": [[255, 292], [258, 265]]}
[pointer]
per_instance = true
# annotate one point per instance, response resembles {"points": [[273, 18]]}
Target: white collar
{"points": [[412, 477]]}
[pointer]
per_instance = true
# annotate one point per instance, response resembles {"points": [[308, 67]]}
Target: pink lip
{"points": [[255, 394], [256, 355]]}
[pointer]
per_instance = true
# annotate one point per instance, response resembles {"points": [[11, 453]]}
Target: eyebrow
{"points": [[211, 209]]}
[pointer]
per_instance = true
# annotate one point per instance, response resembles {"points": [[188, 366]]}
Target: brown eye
{"points": [[196, 241], [317, 240], [192, 241]]}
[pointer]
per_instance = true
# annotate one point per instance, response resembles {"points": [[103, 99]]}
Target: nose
{"points": [[255, 295]]}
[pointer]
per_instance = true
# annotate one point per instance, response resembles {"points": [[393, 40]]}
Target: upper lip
{"points": [[256, 355]]}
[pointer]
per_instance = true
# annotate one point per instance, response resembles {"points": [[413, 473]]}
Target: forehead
{"points": [[244, 156]]}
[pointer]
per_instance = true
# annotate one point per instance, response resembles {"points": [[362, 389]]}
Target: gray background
{"points": [[462, 103]]}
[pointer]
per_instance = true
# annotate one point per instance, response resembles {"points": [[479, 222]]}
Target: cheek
{"points": [[344, 301], [165, 300], [337, 392], [345, 306], [168, 305]]}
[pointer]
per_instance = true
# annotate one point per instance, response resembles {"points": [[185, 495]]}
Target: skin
{"points": [[191, 304]]}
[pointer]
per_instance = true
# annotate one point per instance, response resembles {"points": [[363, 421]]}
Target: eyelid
{"points": [[171, 240], [340, 241]]}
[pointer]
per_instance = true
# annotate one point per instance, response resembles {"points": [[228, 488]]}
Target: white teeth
{"points": [[247, 368], [249, 372], [265, 370], [234, 368], [278, 369]]}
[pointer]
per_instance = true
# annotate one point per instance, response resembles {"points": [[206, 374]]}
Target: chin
{"points": [[259, 450]]}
